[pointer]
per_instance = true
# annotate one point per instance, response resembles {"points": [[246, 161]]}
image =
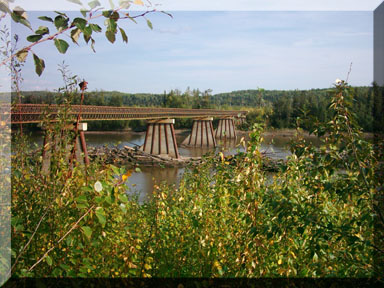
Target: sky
{"points": [[219, 50]]}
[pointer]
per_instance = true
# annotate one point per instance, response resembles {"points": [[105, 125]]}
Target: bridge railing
{"points": [[33, 113]]}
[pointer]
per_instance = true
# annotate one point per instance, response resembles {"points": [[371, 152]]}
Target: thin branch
{"points": [[62, 238], [53, 36], [29, 241]]}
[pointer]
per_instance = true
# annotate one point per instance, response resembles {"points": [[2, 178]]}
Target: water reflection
{"points": [[142, 183]]}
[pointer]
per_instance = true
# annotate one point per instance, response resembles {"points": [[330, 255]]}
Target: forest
{"points": [[278, 108]]}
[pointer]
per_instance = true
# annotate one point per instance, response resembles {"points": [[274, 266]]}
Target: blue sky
{"points": [[223, 51]]}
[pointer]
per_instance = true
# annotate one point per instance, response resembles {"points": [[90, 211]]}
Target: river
{"points": [[142, 183]]}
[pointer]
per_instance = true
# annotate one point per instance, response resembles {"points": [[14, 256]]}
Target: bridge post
{"points": [[226, 129], [201, 134], [160, 138], [52, 143]]}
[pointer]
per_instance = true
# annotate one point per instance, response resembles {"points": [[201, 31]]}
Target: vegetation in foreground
{"points": [[317, 218]]}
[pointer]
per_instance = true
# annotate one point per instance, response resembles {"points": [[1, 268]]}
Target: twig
{"points": [[62, 238], [29, 241]]}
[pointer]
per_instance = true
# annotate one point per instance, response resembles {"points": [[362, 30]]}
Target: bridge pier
{"points": [[52, 143], [201, 134], [240, 120], [226, 129], [160, 138]]}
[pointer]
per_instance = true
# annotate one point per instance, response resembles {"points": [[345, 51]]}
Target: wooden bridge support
{"points": [[240, 120], [202, 134], [52, 143], [160, 138], [226, 129]]}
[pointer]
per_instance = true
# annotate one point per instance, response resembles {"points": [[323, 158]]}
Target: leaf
{"points": [[123, 35], [39, 64], [49, 260], [61, 22], [166, 13], [124, 4], [107, 13], [75, 34], [111, 25], [93, 45], [22, 55], [75, 1], [101, 216], [87, 31], [42, 30], [84, 12], [111, 3], [86, 38], [149, 23], [87, 231], [95, 27], [79, 23], [138, 2], [110, 36], [18, 18], [94, 4], [34, 38], [61, 45], [45, 18]]}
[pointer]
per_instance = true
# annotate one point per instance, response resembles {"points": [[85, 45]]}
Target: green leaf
{"points": [[94, 4], [34, 38], [86, 37], [42, 30], [87, 231], [75, 1], [87, 31], [18, 18], [48, 259], [115, 16], [75, 34], [61, 45], [110, 36], [22, 55], [93, 45], [101, 216], [61, 22], [111, 25], [137, 169], [149, 23], [95, 27], [45, 18], [84, 12], [107, 13], [79, 23], [123, 35], [61, 13], [39, 64]]}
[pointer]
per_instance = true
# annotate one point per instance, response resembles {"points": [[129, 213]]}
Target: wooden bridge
{"points": [[34, 113], [160, 136]]}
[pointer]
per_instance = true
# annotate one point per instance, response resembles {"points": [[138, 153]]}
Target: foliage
{"points": [[279, 108], [314, 218], [82, 26]]}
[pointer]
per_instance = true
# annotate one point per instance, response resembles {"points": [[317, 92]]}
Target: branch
{"points": [[62, 238], [53, 36], [29, 241]]}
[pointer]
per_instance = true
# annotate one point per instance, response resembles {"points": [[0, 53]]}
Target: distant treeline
{"points": [[279, 108]]}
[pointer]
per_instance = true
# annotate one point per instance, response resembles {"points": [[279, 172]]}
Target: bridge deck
{"points": [[34, 113]]}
